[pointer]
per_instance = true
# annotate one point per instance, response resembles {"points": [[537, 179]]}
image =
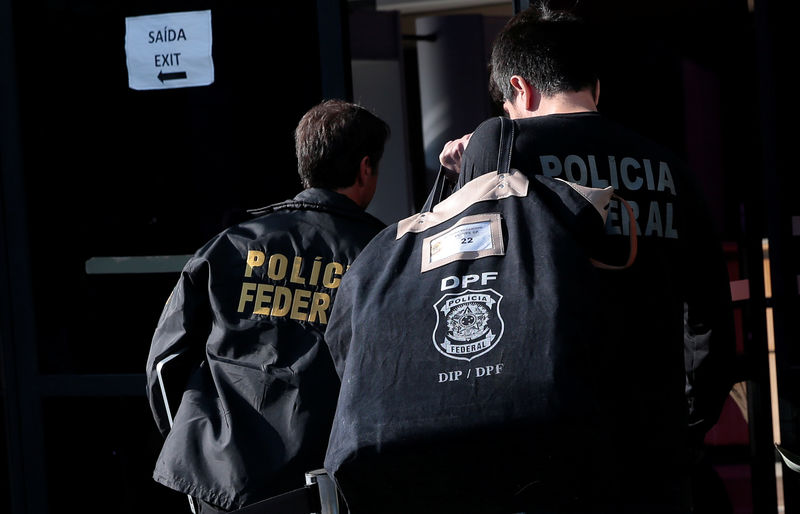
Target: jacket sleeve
{"points": [[339, 331], [709, 337], [178, 344]]}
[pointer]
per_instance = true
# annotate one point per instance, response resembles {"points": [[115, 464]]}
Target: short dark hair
{"points": [[551, 50], [331, 140]]}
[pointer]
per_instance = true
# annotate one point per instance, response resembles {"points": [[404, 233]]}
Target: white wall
{"points": [[378, 85]]}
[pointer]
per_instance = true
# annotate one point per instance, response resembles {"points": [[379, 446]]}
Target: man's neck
{"points": [[560, 103], [565, 103], [353, 193]]}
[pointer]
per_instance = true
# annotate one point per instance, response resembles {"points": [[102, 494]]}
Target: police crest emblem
{"points": [[468, 324]]}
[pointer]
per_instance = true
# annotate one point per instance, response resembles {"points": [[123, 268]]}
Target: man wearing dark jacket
{"points": [[655, 343], [249, 314]]}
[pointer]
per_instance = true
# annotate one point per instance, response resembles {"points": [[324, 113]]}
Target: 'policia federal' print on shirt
{"points": [[655, 218]]}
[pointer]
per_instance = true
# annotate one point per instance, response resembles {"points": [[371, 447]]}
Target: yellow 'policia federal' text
{"points": [[286, 299]]}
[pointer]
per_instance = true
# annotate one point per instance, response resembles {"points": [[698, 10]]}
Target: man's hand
{"points": [[450, 157]]}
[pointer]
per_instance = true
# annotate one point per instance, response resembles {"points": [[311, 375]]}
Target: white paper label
{"points": [[167, 51], [471, 237]]}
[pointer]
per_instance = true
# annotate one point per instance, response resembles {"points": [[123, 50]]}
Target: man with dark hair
{"points": [[496, 354], [547, 47], [667, 370], [249, 314], [330, 158]]}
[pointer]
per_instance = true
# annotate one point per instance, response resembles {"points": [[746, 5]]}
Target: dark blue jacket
{"points": [[249, 314]]}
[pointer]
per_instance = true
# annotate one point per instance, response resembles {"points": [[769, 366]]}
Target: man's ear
{"points": [[364, 170], [525, 92], [597, 92]]}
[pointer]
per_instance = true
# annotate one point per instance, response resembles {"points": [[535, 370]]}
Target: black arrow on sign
{"points": [[171, 76]]}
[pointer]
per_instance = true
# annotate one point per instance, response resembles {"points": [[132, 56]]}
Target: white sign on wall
{"points": [[169, 50]]}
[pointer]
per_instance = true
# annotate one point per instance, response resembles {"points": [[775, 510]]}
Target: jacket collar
{"points": [[327, 197], [319, 199]]}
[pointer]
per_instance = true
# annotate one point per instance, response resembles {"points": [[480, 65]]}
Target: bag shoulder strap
{"points": [[506, 146]]}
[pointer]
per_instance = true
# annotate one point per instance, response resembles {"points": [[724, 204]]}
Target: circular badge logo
{"points": [[468, 324]]}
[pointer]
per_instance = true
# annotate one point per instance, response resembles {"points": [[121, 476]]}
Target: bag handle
{"points": [[634, 242], [437, 192], [504, 150]]}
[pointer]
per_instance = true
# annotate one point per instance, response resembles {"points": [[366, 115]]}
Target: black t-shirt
{"points": [[677, 289]]}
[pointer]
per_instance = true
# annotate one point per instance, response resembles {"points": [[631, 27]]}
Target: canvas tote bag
{"points": [[463, 336]]}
